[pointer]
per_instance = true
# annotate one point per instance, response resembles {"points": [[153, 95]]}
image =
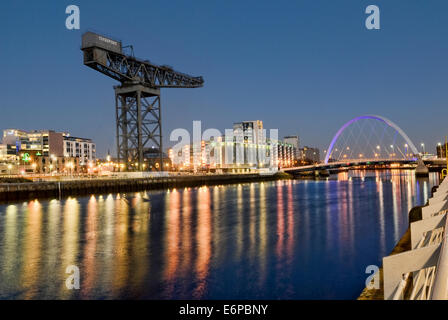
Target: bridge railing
{"points": [[352, 162]]}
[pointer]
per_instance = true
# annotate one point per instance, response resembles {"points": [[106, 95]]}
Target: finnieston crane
{"points": [[137, 98]]}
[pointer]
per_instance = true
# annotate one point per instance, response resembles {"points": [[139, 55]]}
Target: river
{"points": [[289, 239]]}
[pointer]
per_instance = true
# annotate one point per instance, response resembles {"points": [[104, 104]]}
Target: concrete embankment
{"points": [[56, 189]]}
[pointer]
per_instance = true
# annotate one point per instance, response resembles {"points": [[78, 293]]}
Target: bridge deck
{"points": [[357, 162]]}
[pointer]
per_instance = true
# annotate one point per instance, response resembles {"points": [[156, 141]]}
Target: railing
{"points": [[422, 272], [441, 280]]}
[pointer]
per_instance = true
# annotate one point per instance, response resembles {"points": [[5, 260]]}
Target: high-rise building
{"points": [[249, 143]]}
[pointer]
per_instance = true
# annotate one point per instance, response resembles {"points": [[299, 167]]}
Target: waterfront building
{"points": [[181, 158], [246, 149], [294, 141], [309, 154], [151, 158], [81, 148], [285, 154], [8, 153], [47, 151], [46, 142]]}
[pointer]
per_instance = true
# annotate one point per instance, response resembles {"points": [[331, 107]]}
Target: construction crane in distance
{"points": [[137, 98]]}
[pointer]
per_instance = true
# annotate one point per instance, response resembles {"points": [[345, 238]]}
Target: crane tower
{"points": [[137, 98]]}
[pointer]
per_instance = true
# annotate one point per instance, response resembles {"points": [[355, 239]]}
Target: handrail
{"points": [[440, 291]]}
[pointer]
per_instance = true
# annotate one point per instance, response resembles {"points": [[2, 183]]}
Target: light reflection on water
{"points": [[285, 239]]}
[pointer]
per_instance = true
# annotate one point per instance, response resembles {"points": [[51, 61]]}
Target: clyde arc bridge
{"points": [[367, 140]]}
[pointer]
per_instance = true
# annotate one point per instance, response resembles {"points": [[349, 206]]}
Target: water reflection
{"points": [[283, 239], [32, 248]]}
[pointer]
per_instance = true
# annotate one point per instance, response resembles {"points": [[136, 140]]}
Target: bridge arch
{"points": [[374, 117]]}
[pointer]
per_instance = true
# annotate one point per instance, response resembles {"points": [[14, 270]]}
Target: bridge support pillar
{"points": [[321, 173], [421, 170]]}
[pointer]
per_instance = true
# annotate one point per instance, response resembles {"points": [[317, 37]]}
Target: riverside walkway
{"points": [[422, 272]]}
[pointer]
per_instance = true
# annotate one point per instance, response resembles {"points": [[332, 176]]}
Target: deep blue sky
{"points": [[305, 67]]}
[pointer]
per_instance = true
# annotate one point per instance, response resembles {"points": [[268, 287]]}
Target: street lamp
{"points": [[423, 147]]}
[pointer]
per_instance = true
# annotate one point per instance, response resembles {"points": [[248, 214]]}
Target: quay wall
{"points": [[57, 189]]}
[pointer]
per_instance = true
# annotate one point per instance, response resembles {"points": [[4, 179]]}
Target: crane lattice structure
{"points": [[137, 98]]}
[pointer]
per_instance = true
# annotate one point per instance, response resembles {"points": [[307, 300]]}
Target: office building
{"points": [[294, 141], [47, 151]]}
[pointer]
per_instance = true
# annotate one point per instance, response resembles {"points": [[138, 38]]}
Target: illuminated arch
{"points": [[374, 117]]}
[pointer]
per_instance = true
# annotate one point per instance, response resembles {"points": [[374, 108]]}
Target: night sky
{"points": [[305, 67]]}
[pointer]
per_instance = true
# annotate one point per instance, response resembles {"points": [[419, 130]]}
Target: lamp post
{"points": [[423, 147]]}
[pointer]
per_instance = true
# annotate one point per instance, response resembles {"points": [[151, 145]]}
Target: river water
{"points": [[291, 239]]}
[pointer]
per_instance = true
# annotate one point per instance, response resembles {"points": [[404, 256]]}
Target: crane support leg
{"points": [[139, 125]]}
